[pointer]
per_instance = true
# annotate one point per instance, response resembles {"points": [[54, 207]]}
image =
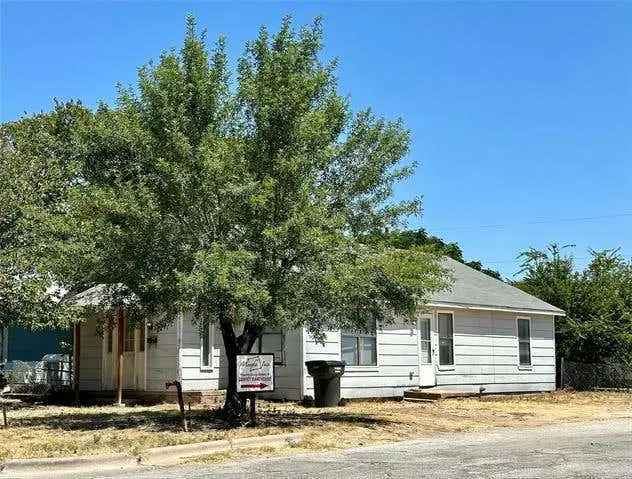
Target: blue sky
{"points": [[521, 113]]}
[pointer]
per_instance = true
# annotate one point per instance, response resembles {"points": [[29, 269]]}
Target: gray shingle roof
{"points": [[472, 288]]}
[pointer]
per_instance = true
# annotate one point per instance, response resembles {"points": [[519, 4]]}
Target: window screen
{"points": [[141, 339], [524, 342], [109, 338], [273, 342], [424, 339], [446, 339], [130, 338]]}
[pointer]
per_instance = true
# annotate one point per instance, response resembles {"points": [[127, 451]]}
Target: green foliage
{"points": [[405, 239], [597, 301], [38, 169], [245, 198], [245, 201]]}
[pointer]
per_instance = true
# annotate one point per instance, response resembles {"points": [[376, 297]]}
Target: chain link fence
{"points": [[604, 376]]}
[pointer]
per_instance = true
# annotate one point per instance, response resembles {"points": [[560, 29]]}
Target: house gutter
{"points": [[470, 307]]}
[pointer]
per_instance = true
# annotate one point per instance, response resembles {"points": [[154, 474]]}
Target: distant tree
{"points": [[597, 301], [406, 238], [244, 204]]}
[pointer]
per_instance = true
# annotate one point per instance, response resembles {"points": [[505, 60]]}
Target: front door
{"points": [[134, 357], [426, 368], [109, 363], [129, 357]]}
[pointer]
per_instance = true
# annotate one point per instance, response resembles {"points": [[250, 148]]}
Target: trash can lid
{"points": [[323, 363]]}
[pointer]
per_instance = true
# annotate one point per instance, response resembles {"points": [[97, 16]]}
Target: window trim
{"points": [[444, 367], [211, 343], [526, 367], [358, 334]]}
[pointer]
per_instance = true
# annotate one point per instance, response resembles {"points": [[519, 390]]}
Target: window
{"points": [[207, 345], [424, 339], [446, 339], [130, 338], [109, 338], [359, 349], [141, 339], [524, 342], [272, 342]]}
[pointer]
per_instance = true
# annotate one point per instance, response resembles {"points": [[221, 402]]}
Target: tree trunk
{"points": [[235, 403]]}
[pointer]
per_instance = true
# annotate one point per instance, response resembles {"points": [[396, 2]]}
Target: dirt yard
{"points": [[48, 431]]}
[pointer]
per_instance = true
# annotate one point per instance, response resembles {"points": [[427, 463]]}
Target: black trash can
{"points": [[326, 376]]}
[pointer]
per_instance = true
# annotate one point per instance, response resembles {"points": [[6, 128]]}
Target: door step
{"points": [[436, 394], [408, 399]]}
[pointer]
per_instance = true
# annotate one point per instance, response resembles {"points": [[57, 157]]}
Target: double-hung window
{"points": [[272, 342], [109, 331], [360, 348], [446, 339], [524, 342], [206, 349], [130, 337]]}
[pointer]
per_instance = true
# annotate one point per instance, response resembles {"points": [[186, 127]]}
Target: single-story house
{"points": [[480, 333]]}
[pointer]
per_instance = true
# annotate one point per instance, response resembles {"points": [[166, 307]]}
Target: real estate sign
{"points": [[255, 373]]}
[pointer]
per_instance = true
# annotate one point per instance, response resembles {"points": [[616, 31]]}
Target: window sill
{"points": [[446, 367], [525, 367], [206, 369]]}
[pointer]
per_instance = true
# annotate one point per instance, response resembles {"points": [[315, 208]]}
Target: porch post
{"points": [[119, 354], [77, 359]]}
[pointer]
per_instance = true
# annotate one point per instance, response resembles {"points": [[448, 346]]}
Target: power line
{"points": [[536, 222], [575, 258]]}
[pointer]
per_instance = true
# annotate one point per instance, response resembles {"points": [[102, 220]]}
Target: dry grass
{"points": [[46, 431]]}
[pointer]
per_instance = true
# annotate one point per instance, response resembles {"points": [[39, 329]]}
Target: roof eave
{"points": [[506, 309]]}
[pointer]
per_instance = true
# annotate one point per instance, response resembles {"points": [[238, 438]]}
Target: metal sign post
{"points": [[255, 374]]}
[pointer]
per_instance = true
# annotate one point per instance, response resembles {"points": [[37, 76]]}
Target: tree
{"points": [[245, 201], [597, 301], [405, 239], [37, 168]]}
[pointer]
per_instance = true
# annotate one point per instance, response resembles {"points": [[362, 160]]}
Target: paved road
{"points": [[592, 450]]}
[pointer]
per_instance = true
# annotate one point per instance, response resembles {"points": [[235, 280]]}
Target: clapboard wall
{"points": [[397, 363], [486, 353], [194, 377], [91, 357]]}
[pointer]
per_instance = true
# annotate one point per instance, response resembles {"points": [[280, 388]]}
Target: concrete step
{"points": [[436, 394]]}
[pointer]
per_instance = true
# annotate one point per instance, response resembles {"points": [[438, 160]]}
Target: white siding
{"points": [[194, 376], [287, 376], [162, 358], [91, 351], [397, 363], [486, 354]]}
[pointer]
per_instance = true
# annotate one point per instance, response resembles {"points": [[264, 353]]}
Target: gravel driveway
{"points": [[587, 450]]}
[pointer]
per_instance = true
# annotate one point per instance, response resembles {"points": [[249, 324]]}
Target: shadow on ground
{"points": [[199, 420]]}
